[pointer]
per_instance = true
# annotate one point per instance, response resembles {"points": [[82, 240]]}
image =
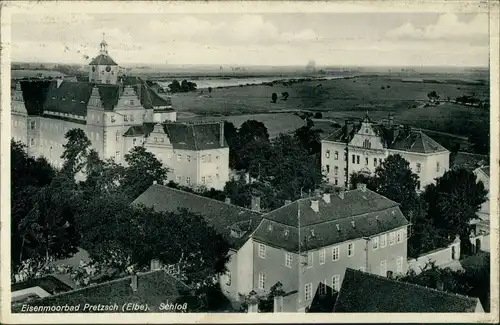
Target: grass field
{"points": [[339, 99]]}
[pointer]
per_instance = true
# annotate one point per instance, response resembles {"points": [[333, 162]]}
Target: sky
{"points": [[362, 39]]}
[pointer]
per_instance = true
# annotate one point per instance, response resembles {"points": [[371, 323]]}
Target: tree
{"points": [[232, 139], [252, 130], [254, 158], [274, 98], [454, 201], [395, 180], [143, 169], [433, 96], [318, 115], [76, 150], [175, 86], [209, 89], [309, 138], [357, 178]]}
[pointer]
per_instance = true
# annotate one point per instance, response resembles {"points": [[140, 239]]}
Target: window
{"points": [[262, 281], [188, 180], [345, 156], [132, 102], [262, 251], [209, 157], [125, 118], [336, 170], [107, 81], [134, 140], [366, 161], [117, 136], [156, 139], [380, 161], [322, 288], [113, 119], [228, 276], [322, 255], [418, 185], [336, 181], [217, 157], [336, 282], [392, 238], [188, 158], [350, 249], [203, 158], [203, 181], [374, 162], [399, 264], [308, 291], [399, 237], [357, 159], [178, 179], [383, 240], [179, 157], [437, 166], [327, 154], [288, 260], [335, 253], [383, 268], [327, 168], [375, 243], [419, 168], [32, 125], [336, 155], [353, 159], [132, 118], [367, 144], [310, 259], [117, 155]]}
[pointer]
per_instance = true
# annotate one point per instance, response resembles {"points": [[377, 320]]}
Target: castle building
{"points": [[362, 147], [117, 113], [305, 245]]}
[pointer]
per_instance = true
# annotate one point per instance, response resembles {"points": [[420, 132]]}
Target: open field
{"points": [[340, 99]]}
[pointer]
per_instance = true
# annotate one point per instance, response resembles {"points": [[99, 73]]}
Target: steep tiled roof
{"points": [[185, 136], [153, 288], [220, 215], [371, 213], [398, 138], [367, 293], [102, 59], [149, 98], [72, 97]]}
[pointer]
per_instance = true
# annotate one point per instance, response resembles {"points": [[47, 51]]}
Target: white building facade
{"points": [[368, 144]]}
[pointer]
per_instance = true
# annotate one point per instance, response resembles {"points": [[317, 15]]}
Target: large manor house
{"points": [[117, 113]]}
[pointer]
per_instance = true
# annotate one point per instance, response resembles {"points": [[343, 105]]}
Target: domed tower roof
{"points": [[103, 58]]}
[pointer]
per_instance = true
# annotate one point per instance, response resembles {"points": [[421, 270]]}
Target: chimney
{"points": [[326, 197], [353, 224], [278, 298], [155, 182], [341, 194], [253, 302], [155, 265], [221, 134], [338, 227], [361, 186], [255, 203], [288, 202], [227, 200], [133, 283], [315, 205]]}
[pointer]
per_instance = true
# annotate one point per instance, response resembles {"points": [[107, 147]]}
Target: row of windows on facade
{"points": [[107, 80], [308, 293], [377, 242], [204, 179]]}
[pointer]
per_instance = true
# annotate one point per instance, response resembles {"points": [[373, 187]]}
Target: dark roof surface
{"points": [[185, 136], [102, 59], [367, 293], [220, 215], [486, 170], [153, 288], [371, 213], [48, 283], [149, 98], [398, 138]]}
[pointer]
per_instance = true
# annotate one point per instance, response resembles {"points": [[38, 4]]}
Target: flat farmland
{"points": [[338, 99]]}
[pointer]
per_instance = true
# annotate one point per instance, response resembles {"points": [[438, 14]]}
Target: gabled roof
{"points": [[184, 136], [149, 98], [371, 213], [102, 59], [220, 215], [485, 170], [368, 293], [395, 137], [153, 288]]}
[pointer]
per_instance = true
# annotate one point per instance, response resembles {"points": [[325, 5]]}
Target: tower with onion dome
{"points": [[103, 69]]}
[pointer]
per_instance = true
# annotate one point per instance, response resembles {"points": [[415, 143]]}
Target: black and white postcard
{"points": [[249, 161]]}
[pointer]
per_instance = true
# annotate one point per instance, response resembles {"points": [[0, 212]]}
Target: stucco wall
{"points": [[440, 257]]}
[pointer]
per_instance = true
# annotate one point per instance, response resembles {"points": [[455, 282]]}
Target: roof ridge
{"points": [[422, 287], [201, 196], [353, 216]]}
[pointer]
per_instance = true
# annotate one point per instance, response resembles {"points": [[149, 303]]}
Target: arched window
{"points": [[367, 144], [117, 136]]}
